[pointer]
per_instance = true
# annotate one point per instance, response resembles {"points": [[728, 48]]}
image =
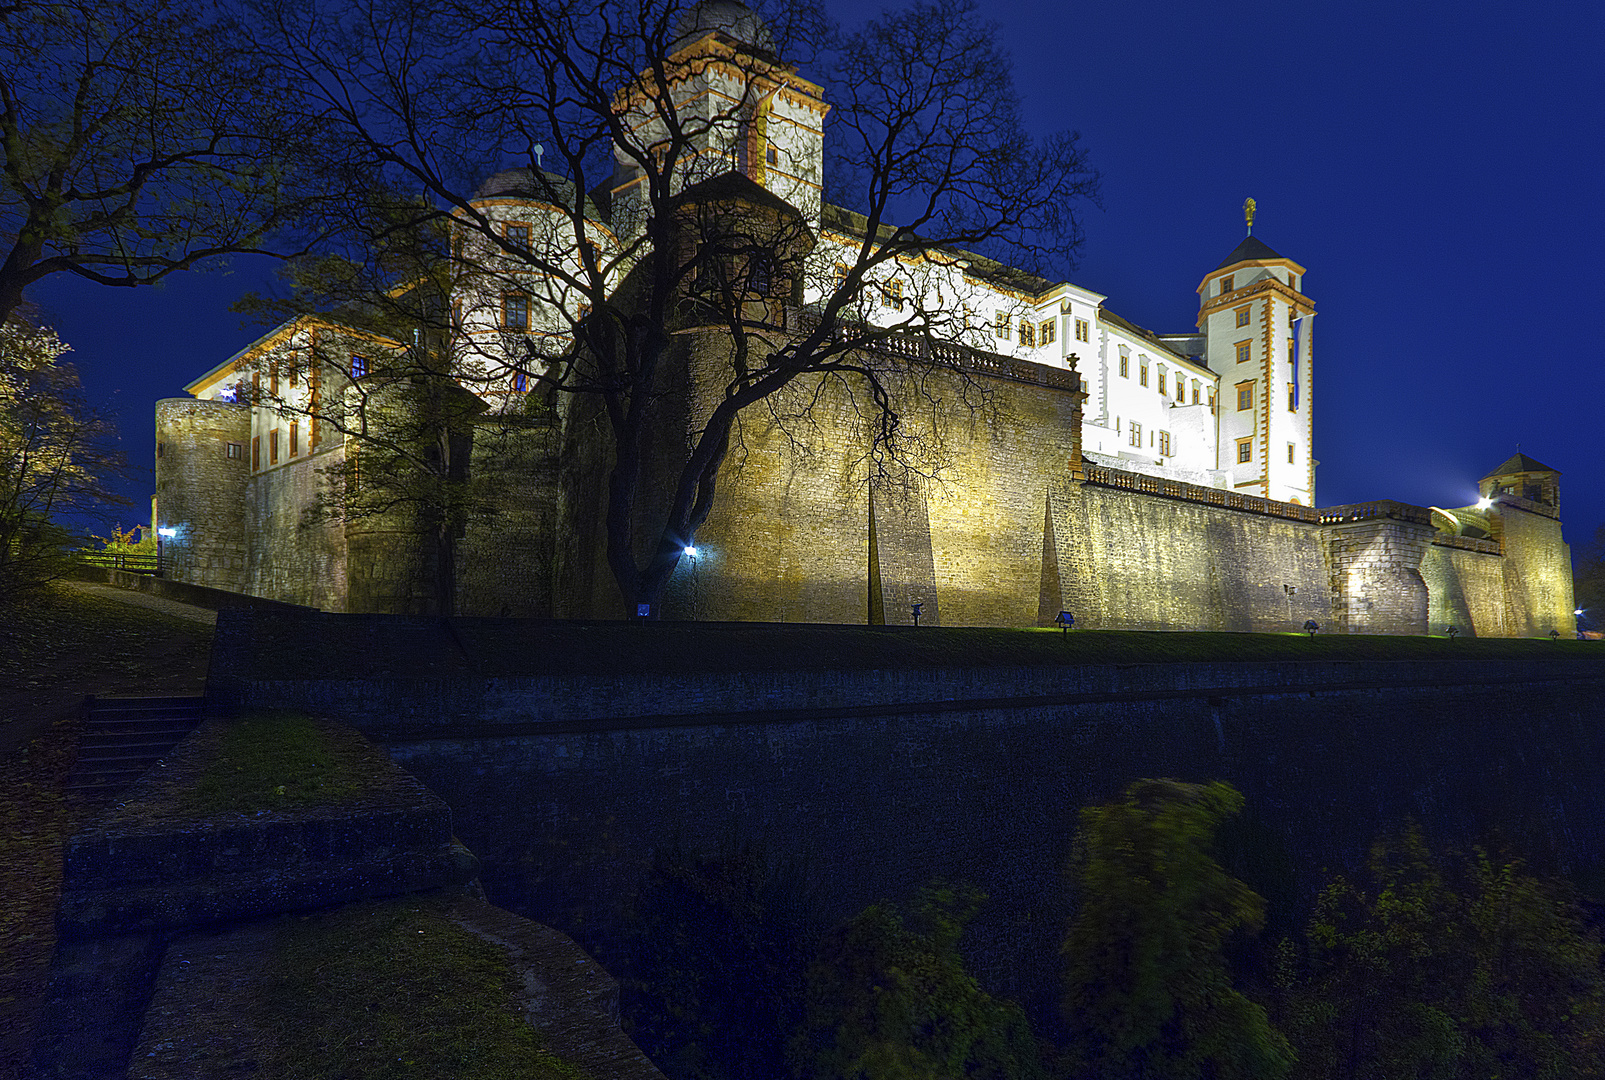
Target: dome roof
{"points": [[519, 183], [729, 17]]}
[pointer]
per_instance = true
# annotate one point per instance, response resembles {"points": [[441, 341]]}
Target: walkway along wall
{"points": [[870, 781]]}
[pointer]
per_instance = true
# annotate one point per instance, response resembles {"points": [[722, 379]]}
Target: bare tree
{"points": [[641, 126], [136, 139]]}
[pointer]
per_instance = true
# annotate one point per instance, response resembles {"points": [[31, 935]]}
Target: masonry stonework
{"points": [[199, 484]]}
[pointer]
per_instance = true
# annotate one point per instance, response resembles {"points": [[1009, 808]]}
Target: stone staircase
{"points": [[123, 737]]}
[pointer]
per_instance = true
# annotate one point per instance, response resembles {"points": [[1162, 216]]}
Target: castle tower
{"points": [[1256, 323], [1524, 478], [741, 108]]}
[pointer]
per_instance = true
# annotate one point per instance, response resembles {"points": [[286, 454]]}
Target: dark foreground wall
{"points": [[871, 782]]}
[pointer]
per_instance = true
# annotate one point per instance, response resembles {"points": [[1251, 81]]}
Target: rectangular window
{"points": [[1142, 374], [1245, 351], [1164, 444], [359, 366], [1083, 330], [771, 155], [518, 236], [1136, 433], [1212, 401], [1195, 391], [1245, 451], [1245, 396], [235, 451], [1242, 316], [1050, 331], [894, 295], [295, 438], [1004, 326], [294, 369], [1028, 334], [1226, 285], [520, 382], [256, 387], [273, 377], [1162, 391], [161, 449], [840, 274], [1290, 453], [273, 447], [256, 452], [1181, 389], [1125, 367], [1289, 350], [515, 311], [1292, 397]]}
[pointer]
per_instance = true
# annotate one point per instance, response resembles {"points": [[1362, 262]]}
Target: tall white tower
{"points": [[1257, 324]]}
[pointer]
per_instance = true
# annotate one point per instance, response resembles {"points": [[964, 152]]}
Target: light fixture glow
{"points": [[691, 551], [166, 532], [1484, 503]]}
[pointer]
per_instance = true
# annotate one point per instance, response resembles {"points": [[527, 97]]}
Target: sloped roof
{"points": [[1521, 463], [1252, 248]]}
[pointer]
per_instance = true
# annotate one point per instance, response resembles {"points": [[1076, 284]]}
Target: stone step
{"points": [[122, 737]]}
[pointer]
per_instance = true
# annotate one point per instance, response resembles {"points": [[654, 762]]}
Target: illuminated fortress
{"points": [[1138, 480]]}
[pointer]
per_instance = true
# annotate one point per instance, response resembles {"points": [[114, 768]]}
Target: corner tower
{"points": [[1257, 326], [738, 107]]}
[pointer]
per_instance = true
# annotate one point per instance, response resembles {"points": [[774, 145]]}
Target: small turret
{"points": [[1524, 478]]}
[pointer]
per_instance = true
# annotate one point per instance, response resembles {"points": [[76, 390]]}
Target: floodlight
{"points": [[691, 551], [166, 532]]}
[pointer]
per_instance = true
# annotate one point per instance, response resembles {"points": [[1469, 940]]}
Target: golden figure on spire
{"points": [[1248, 214]]}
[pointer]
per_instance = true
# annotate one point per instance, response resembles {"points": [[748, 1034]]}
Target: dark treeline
{"points": [[1428, 962]]}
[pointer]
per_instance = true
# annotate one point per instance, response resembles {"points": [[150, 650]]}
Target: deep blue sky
{"points": [[1435, 166]]}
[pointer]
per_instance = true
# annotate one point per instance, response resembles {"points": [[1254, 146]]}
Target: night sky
{"points": [[1436, 167]]}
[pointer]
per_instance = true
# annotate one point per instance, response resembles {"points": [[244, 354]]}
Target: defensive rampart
{"points": [[871, 780]]}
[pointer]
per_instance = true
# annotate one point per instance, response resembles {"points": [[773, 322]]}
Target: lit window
{"points": [[515, 311], [1004, 326], [1244, 351], [1245, 451], [1242, 316], [1136, 433], [1245, 396]]}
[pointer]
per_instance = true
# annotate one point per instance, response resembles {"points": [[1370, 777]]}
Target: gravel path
{"points": [[155, 603]]}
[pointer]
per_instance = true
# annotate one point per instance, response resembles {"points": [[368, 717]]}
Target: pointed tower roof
{"points": [[1252, 249], [1521, 463]]}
